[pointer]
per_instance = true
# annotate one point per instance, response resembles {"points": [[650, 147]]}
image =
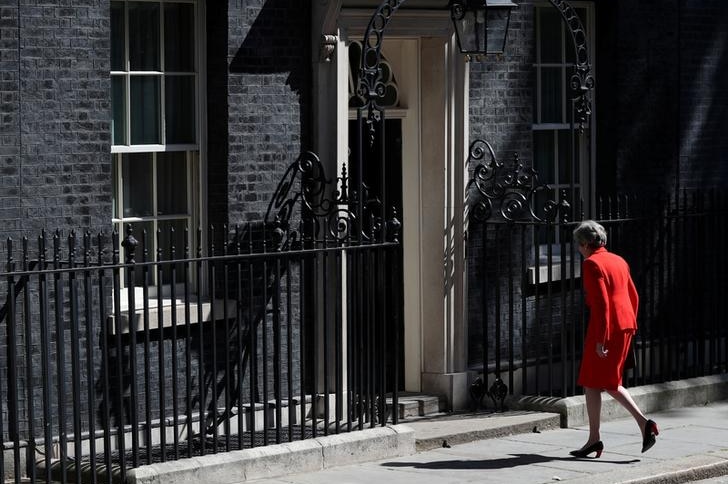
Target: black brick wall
{"points": [[55, 110], [268, 102], [55, 117], [501, 91], [661, 107], [703, 113], [55, 163], [663, 103]]}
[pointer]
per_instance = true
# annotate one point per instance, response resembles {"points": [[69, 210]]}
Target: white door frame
{"points": [[435, 131]]}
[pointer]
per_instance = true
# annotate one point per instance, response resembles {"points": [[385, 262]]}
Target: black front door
{"points": [[381, 173]]}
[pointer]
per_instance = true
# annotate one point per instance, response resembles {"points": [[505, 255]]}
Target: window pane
{"points": [[179, 37], [543, 155], [172, 183], [144, 36], [138, 185], [144, 110], [551, 85], [118, 54], [565, 164], [115, 187], [118, 108], [550, 35], [180, 109]]}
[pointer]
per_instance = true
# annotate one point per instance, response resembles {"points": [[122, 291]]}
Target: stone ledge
{"points": [[650, 398], [277, 460]]}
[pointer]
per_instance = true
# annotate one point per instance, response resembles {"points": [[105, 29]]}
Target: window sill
{"points": [[543, 273], [172, 313]]}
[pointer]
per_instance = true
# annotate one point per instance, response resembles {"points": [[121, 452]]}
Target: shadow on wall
{"points": [[218, 124], [277, 42], [211, 367], [704, 106]]}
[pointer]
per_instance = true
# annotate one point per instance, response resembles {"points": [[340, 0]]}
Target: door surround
{"points": [[433, 88]]}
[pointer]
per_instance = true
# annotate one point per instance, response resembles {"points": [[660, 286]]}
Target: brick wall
{"points": [[268, 100], [259, 115], [672, 101], [660, 108], [55, 166], [703, 98], [646, 94], [501, 112], [10, 213], [501, 91], [55, 117]]}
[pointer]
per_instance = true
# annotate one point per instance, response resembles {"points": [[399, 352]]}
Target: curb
{"points": [[677, 471], [650, 398], [281, 459], [481, 428]]}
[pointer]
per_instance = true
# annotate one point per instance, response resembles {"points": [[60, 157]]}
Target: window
{"points": [[553, 154], [155, 124], [560, 163]]}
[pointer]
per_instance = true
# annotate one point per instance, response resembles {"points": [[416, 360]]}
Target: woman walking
{"points": [[612, 300]]}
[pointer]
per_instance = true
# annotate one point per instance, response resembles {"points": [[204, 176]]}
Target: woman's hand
{"points": [[601, 350]]}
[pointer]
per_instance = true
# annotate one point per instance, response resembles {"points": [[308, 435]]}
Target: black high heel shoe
{"points": [[650, 433], [597, 447]]}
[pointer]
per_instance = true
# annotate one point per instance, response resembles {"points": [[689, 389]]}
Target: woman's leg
{"points": [[625, 399], [593, 411]]}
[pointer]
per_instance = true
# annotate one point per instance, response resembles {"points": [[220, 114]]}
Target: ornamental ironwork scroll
{"points": [[307, 205], [372, 86], [582, 80], [511, 194]]}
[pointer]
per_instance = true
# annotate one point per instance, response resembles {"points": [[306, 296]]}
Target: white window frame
{"points": [[585, 181], [195, 159]]}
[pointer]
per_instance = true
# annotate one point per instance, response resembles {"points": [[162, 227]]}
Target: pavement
{"points": [[528, 444], [692, 445]]}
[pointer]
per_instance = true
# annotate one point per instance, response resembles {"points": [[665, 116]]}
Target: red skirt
{"points": [[604, 373]]}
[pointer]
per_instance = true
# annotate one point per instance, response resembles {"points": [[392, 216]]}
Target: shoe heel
{"points": [[599, 454], [652, 427]]}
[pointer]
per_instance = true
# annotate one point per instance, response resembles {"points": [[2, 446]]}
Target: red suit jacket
{"points": [[610, 295]]}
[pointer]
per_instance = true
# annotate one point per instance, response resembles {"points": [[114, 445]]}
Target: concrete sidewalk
{"points": [[530, 443], [692, 445]]}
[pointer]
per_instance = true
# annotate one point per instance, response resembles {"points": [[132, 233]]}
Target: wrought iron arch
{"points": [[372, 88], [582, 80]]}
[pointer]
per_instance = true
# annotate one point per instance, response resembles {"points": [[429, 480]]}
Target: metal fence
{"points": [[118, 351], [527, 318]]}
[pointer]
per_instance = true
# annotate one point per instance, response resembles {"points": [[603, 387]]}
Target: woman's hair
{"points": [[590, 233]]}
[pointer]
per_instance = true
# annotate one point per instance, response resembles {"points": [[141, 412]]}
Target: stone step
{"points": [[417, 405]]}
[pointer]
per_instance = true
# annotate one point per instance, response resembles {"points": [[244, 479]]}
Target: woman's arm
{"points": [[597, 298]]}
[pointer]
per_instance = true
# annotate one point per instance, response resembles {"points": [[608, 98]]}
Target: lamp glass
{"points": [[481, 26]]}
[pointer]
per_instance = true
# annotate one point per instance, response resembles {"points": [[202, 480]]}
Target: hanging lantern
{"points": [[481, 26]]}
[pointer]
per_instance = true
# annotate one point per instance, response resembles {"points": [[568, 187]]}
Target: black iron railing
{"points": [[118, 351], [528, 323]]}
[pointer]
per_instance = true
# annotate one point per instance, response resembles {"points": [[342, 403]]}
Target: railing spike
{"points": [[600, 208], [172, 245], [187, 242], [145, 247], [199, 241], [9, 241], [99, 247]]}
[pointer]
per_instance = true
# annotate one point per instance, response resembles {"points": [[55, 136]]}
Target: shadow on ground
{"points": [[514, 461]]}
